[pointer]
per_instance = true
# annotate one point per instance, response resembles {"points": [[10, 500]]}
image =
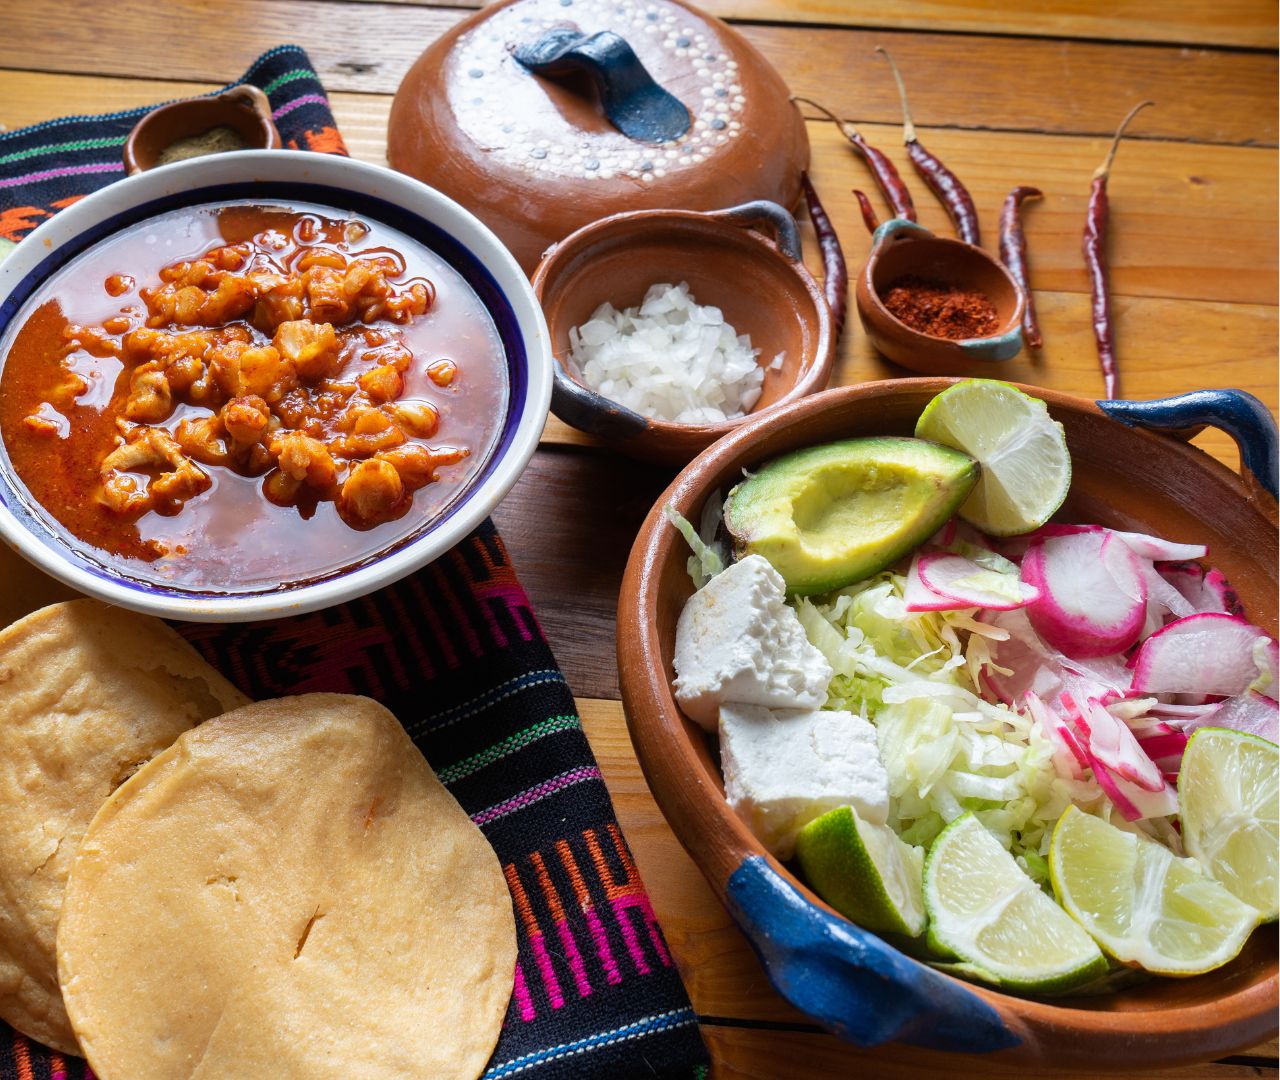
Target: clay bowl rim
{"points": [[1156, 1035], [1008, 326], [813, 376]]}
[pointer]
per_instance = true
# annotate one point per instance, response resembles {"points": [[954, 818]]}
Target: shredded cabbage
{"points": [[707, 559], [946, 749]]}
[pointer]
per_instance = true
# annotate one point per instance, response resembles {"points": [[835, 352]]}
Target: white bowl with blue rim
{"points": [[283, 177]]}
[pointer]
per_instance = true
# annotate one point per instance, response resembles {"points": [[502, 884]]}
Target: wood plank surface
{"points": [[1005, 93], [1244, 23], [979, 82]]}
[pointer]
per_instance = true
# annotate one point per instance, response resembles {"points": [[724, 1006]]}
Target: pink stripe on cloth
{"points": [[537, 793], [521, 993], [514, 597], [72, 170], [306, 99], [548, 973], [574, 957], [601, 940]]}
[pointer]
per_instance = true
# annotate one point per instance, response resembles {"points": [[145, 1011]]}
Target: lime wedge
{"points": [[864, 871], [1026, 469], [985, 911], [1141, 903], [1227, 788]]}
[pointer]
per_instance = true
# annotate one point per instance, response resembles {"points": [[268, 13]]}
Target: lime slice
{"points": [[1026, 469], [1227, 788], [864, 871], [1142, 904], [985, 911]]}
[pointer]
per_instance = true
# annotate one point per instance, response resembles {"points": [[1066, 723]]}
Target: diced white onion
{"points": [[669, 359]]}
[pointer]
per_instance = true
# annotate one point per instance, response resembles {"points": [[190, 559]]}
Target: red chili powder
{"points": [[941, 310]]}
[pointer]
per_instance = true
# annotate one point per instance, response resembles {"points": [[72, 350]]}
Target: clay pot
{"points": [[592, 126], [762, 287], [848, 979], [902, 247], [244, 109]]}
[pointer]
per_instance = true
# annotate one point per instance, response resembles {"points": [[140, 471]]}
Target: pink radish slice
{"points": [[967, 583], [1036, 665], [1251, 712], [1093, 597], [1069, 758], [919, 597], [1112, 743], [1165, 750], [1203, 591], [1163, 600], [1152, 547], [1208, 653]]}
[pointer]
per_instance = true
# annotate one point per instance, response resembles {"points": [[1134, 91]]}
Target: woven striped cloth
{"points": [[456, 653]]}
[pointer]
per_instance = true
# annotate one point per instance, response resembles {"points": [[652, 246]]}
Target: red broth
{"points": [[409, 388]]}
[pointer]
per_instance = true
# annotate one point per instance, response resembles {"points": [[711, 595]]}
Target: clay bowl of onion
{"points": [[664, 382], [1132, 470], [905, 258]]}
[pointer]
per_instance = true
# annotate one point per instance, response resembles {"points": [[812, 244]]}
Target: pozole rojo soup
{"points": [[229, 397]]}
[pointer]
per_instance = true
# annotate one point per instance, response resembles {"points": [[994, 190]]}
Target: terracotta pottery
{"points": [[761, 286], [900, 248], [848, 979], [540, 116], [244, 109]]}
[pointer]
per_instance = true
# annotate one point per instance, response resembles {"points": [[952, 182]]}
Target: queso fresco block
{"points": [[783, 768], [737, 641]]}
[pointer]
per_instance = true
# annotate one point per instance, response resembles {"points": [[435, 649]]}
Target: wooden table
{"points": [[1006, 93]]}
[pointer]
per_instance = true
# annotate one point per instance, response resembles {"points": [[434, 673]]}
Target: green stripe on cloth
{"points": [[509, 745], [287, 77], [53, 148]]}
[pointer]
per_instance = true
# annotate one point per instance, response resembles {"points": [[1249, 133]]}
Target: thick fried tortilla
{"points": [[287, 892], [87, 694]]}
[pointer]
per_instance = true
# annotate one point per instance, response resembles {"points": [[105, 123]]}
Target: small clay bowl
{"points": [[900, 248], [851, 981], [244, 109], [761, 285]]}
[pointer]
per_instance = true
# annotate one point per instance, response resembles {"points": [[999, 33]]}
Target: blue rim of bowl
{"points": [[461, 258]]}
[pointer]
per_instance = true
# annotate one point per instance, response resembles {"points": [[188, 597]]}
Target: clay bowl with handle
{"points": [[1129, 475], [901, 248], [243, 109], [760, 284]]}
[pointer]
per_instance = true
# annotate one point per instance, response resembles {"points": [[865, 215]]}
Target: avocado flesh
{"points": [[830, 515]]}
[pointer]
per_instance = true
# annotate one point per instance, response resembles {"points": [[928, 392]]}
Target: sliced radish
{"points": [[966, 582], [1165, 750], [1093, 596], [1035, 665], [1203, 591], [1163, 600], [919, 597], [1115, 746], [1069, 758], [1208, 653], [1251, 712], [1152, 547]]}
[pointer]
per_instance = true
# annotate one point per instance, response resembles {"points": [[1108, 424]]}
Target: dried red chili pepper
{"points": [[1013, 253], [953, 195], [835, 281], [869, 218], [885, 172], [1095, 259]]}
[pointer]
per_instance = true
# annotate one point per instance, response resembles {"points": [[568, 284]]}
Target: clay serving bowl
{"points": [[848, 979], [900, 248], [244, 109], [761, 285]]}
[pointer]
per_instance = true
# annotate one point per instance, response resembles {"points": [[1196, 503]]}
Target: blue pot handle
{"points": [[1239, 414], [896, 228], [786, 233], [854, 984], [634, 103]]}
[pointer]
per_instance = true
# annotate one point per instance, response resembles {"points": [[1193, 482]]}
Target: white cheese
{"points": [[784, 768], [737, 641]]}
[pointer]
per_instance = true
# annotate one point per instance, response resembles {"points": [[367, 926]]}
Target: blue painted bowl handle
{"points": [[634, 103], [897, 228], [786, 233], [856, 985], [1239, 414]]}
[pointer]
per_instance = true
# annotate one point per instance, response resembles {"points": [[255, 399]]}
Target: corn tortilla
{"points": [[87, 694], [287, 892]]}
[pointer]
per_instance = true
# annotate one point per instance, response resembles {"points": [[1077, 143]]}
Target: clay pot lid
{"points": [[535, 155]]}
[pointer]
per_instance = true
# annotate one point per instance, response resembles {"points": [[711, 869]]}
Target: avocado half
{"points": [[830, 515]]}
